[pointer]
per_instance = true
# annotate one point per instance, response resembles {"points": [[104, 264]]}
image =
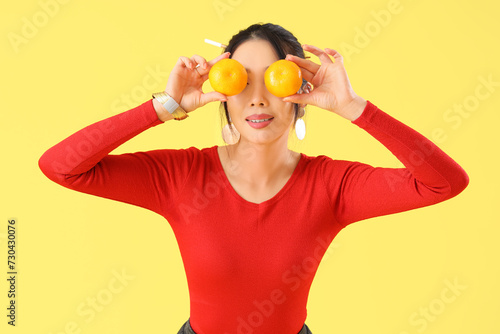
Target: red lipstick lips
{"points": [[259, 121]]}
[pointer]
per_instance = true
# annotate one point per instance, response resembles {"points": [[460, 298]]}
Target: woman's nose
{"points": [[258, 94]]}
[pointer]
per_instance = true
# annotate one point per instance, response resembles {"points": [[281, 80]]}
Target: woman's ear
{"points": [[305, 90]]}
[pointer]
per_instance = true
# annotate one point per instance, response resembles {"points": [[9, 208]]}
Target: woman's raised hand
{"points": [[331, 87], [185, 82]]}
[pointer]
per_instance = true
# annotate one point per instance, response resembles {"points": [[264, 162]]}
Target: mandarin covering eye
{"points": [[283, 78], [228, 77]]}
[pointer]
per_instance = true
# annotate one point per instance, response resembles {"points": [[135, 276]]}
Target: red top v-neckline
{"points": [[271, 200]]}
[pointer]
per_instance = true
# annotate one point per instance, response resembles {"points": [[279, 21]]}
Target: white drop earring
{"points": [[230, 137], [300, 128], [300, 125]]}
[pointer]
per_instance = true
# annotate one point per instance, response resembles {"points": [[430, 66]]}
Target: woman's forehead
{"points": [[254, 52]]}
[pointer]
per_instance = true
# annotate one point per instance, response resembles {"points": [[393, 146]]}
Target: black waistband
{"points": [[186, 329]]}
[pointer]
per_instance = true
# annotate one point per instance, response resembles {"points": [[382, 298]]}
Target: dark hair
{"points": [[282, 41]]}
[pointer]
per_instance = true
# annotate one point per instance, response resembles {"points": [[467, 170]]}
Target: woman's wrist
{"points": [[354, 109], [163, 114]]}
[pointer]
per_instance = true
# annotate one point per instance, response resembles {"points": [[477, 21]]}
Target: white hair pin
{"points": [[220, 45]]}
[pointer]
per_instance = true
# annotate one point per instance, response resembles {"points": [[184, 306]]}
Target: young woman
{"points": [[253, 219]]}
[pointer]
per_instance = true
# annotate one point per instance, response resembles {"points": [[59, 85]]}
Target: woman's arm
{"points": [[148, 179], [82, 161], [359, 191]]}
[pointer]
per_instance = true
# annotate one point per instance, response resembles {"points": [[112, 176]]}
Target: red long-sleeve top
{"points": [[250, 266]]}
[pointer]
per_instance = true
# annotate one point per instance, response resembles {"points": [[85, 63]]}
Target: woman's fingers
{"points": [[185, 61], [304, 98], [199, 63], [199, 60], [216, 59], [204, 67], [335, 54], [322, 55], [211, 97], [308, 65], [307, 75]]}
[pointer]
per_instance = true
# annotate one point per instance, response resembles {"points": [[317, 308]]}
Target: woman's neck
{"points": [[262, 164]]}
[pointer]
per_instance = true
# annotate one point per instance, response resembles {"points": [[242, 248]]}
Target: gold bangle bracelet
{"points": [[171, 105]]}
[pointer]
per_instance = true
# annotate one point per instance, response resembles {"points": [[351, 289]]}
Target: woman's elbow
{"points": [[463, 182], [459, 182], [51, 169], [452, 185]]}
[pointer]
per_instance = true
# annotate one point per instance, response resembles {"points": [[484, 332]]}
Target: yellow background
{"points": [[84, 59]]}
